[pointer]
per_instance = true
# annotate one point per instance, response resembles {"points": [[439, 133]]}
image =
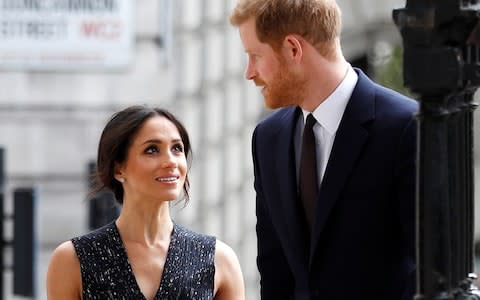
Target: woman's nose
{"points": [[169, 160]]}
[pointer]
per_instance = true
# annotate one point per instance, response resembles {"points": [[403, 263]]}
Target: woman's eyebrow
{"points": [[157, 141]]}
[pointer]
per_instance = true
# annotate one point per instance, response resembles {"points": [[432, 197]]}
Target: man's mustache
{"points": [[259, 82]]}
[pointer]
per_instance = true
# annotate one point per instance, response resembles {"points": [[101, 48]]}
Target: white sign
{"points": [[65, 34]]}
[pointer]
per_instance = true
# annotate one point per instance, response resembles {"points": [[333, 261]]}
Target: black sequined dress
{"points": [[107, 274]]}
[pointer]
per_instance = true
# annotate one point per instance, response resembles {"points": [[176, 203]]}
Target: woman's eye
{"points": [[151, 149], [177, 148]]}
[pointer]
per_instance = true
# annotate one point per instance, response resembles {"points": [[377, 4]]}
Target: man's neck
{"points": [[324, 78]]}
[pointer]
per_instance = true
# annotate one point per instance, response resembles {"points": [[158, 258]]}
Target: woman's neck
{"points": [[145, 224]]}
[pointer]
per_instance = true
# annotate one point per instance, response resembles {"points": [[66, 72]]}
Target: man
{"points": [[335, 198]]}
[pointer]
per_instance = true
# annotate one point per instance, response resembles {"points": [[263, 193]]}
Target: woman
{"points": [[142, 158]]}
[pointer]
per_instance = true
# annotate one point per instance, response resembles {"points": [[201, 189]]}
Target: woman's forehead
{"points": [[159, 128]]}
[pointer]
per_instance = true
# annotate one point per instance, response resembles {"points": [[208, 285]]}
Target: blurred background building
{"points": [[64, 69]]}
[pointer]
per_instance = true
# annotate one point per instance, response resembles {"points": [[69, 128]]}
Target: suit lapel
{"points": [[349, 141]]}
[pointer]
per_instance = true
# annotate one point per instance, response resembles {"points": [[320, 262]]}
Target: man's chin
{"points": [[272, 104]]}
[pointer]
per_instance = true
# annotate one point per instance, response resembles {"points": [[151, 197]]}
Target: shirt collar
{"points": [[329, 113]]}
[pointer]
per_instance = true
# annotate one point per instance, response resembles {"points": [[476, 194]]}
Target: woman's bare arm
{"points": [[64, 279], [229, 283]]}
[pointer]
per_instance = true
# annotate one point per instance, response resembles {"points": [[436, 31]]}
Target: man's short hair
{"points": [[317, 21]]}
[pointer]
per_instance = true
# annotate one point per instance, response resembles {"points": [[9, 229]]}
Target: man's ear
{"points": [[293, 48]]}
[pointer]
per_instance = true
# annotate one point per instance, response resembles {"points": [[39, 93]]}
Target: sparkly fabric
{"points": [[107, 274]]}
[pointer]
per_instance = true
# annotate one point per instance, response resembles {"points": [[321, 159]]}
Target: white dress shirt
{"points": [[328, 115]]}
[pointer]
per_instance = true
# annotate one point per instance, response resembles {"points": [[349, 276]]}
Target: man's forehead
{"points": [[248, 35]]}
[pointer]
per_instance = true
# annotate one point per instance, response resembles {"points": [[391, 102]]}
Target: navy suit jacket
{"points": [[362, 244]]}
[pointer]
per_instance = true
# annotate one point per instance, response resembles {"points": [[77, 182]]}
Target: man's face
{"points": [[270, 70]]}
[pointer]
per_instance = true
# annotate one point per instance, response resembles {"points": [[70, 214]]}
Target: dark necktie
{"points": [[308, 171]]}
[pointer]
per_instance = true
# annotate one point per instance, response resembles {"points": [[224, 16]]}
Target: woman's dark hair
{"points": [[116, 139]]}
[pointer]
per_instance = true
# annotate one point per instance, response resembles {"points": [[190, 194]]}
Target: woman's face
{"points": [[156, 165]]}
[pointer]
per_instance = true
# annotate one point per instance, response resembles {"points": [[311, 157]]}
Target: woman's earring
{"points": [[121, 179]]}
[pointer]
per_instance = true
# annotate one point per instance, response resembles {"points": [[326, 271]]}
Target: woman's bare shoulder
{"points": [[64, 254], [63, 275], [228, 273]]}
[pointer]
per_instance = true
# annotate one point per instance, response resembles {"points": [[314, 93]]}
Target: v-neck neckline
{"points": [[166, 265]]}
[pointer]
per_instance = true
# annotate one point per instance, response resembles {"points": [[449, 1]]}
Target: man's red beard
{"points": [[286, 88]]}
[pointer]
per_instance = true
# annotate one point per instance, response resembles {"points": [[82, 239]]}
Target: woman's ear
{"points": [[118, 173]]}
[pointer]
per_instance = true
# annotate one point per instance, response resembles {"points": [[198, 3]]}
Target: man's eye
{"points": [[253, 57]]}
